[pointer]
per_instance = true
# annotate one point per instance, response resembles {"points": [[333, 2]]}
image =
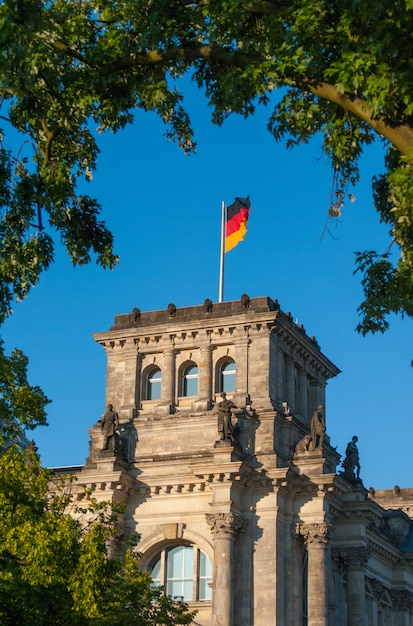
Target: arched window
{"points": [[189, 380], [184, 571], [226, 376], [153, 382]]}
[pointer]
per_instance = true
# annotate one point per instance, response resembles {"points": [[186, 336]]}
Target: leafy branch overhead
{"points": [[60, 562], [343, 69]]}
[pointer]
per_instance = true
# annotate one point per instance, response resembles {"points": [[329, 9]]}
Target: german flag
{"points": [[236, 226]]}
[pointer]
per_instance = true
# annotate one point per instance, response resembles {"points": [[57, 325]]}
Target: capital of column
{"points": [[169, 351], [225, 524], [316, 533], [402, 600], [355, 557]]}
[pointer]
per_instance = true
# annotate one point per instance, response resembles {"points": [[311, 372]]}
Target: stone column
{"points": [[205, 373], [355, 561], [168, 378], [317, 395], [290, 381], [224, 527], [139, 382], [242, 374], [129, 385], [280, 375], [317, 537], [302, 407]]}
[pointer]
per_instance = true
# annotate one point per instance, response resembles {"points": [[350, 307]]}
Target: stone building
{"points": [[216, 444]]}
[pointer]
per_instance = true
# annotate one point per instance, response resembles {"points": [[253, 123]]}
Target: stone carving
{"points": [[402, 600], [225, 427], [303, 445], [351, 463], [355, 557], [245, 301], [208, 305], [316, 533], [171, 309], [110, 426], [136, 314], [318, 428], [225, 523]]}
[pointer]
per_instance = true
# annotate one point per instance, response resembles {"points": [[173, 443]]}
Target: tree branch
{"points": [[400, 136]]}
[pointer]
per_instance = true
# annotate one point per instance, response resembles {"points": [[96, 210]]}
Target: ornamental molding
{"points": [[376, 588], [382, 552], [402, 600], [316, 533], [355, 557], [225, 524]]}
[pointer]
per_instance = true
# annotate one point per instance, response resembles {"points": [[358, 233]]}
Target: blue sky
{"points": [[164, 210]]}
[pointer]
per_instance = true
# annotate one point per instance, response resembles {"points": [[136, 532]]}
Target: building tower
{"points": [[216, 445]]}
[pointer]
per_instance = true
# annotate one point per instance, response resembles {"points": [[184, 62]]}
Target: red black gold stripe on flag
{"points": [[236, 226]]}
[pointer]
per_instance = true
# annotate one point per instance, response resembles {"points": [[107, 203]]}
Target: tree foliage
{"points": [[54, 564], [68, 67], [22, 406]]}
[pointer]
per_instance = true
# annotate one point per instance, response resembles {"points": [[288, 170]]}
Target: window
{"points": [[189, 386], [153, 380], [226, 377], [185, 572]]}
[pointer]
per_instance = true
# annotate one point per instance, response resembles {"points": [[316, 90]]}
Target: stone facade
{"points": [[258, 527]]}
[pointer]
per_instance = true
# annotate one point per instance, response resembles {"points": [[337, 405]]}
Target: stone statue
{"points": [[303, 445], [318, 428], [225, 427], [351, 463], [110, 425]]}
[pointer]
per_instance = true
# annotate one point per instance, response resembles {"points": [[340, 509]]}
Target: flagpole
{"points": [[221, 265]]}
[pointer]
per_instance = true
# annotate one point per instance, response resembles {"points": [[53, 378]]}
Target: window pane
{"points": [[174, 565], [189, 563], [190, 381], [174, 589], [156, 572], [153, 384], [205, 576], [205, 567], [191, 387], [187, 590], [227, 377], [204, 589]]}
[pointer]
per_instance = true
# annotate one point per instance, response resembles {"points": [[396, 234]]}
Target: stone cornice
{"points": [[229, 323], [382, 551]]}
